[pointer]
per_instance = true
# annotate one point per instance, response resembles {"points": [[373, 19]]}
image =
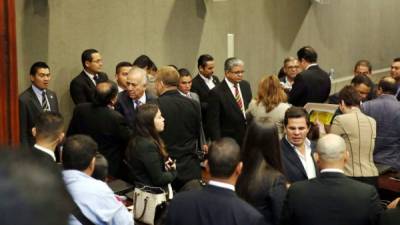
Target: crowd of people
{"points": [[262, 159]]}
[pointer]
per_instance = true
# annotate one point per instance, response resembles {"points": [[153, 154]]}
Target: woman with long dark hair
{"points": [[146, 153], [262, 183]]}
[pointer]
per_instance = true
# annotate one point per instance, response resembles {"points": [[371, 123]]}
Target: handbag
{"points": [[146, 202]]}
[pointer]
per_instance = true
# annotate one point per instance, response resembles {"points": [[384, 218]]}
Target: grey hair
{"points": [[331, 147], [232, 62], [141, 72]]}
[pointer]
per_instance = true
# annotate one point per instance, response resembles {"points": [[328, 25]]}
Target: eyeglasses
{"points": [[238, 72], [292, 67]]}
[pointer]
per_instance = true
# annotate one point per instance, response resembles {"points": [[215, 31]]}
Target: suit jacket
{"points": [[292, 166], [107, 127], [390, 216], [311, 85], [212, 206], [386, 111], [29, 110], [148, 165], [181, 132], [42, 155], [224, 117], [200, 87], [359, 132], [82, 88], [127, 109], [329, 199]]}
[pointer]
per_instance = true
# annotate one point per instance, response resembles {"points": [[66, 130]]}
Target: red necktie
{"points": [[238, 98]]}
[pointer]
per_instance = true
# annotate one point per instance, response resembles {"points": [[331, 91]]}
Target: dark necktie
{"points": [[96, 78], [137, 103], [238, 98], [45, 105]]}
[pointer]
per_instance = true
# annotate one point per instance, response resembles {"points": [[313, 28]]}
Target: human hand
{"points": [[393, 204]]}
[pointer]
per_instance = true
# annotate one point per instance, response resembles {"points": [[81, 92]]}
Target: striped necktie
{"points": [[238, 98], [45, 104]]}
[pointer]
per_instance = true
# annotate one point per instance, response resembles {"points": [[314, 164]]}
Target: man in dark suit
{"points": [[204, 81], [227, 103], [82, 87], [297, 159], [49, 133], [395, 74], [217, 203], [105, 125], [34, 100], [182, 125], [331, 198], [134, 96], [311, 85]]}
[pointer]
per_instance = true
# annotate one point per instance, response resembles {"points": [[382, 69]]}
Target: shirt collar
{"points": [[36, 90], [183, 94], [307, 143], [310, 65], [46, 150], [332, 170], [142, 99], [230, 84], [91, 76], [205, 78], [221, 185]]}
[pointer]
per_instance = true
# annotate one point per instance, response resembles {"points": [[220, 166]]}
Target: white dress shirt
{"points": [[209, 81], [91, 76], [38, 93], [306, 159], [142, 100], [222, 185], [232, 88]]}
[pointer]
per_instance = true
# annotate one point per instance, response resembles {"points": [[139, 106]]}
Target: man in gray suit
{"points": [[34, 100]]}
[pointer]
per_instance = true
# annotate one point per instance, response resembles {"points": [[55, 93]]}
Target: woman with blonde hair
{"points": [[270, 103]]}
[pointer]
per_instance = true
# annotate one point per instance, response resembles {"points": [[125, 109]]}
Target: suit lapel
{"points": [[36, 102], [292, 156], [230, 98], [203, 83], [87, 79], [52, 101]]}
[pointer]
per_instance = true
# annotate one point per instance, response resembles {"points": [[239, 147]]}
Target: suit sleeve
{"points": [[287, 213], [278, 194], [77, 92], [298, 91], [23, 123], [375, 209], [213, 116], [336, 127]]}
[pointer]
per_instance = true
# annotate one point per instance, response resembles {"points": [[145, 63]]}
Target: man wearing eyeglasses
{"points": [[82, 87], [228, 102], [291, 68]]}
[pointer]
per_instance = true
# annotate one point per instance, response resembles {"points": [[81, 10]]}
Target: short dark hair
{"points": [[183, 72], [308, 54], [203, 59], [223, 157], [100, 168], [78, 151], [296, 112], [144, 62], [87, 56], [361, 79], [105, 92], [36, 66], [122, 64], [49, 125], [388, 85], [42, 201], [363, 62], [350, 96], [396, 59]]}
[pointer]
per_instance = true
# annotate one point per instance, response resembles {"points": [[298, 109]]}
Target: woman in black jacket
{"points": [[262, 183], [146, 153]]}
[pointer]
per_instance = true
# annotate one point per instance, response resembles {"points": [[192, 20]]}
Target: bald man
{"points": [[331, 198], [134, 95]]}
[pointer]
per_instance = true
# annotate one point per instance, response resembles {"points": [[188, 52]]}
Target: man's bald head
{"points": [[105, 93], [331, 148]]}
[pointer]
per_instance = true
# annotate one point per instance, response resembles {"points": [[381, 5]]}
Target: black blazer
{"points": [[107, 127], [292, 166], [329, 199], [311, 85], [201, 89], [42, 155], [212, 206], [82, 89], [147, 164], [29, 110], [127, 109], [181, 132], [224, 117]]}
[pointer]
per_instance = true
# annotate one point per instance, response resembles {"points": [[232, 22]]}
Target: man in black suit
{"points": [[105, 125], [204, 81], [82, 87], [217, 203], [227, 103], [311, 85], [331, 198], [134, 96], [34, 100], [49, 133], [297, 159], [182, 126]]}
